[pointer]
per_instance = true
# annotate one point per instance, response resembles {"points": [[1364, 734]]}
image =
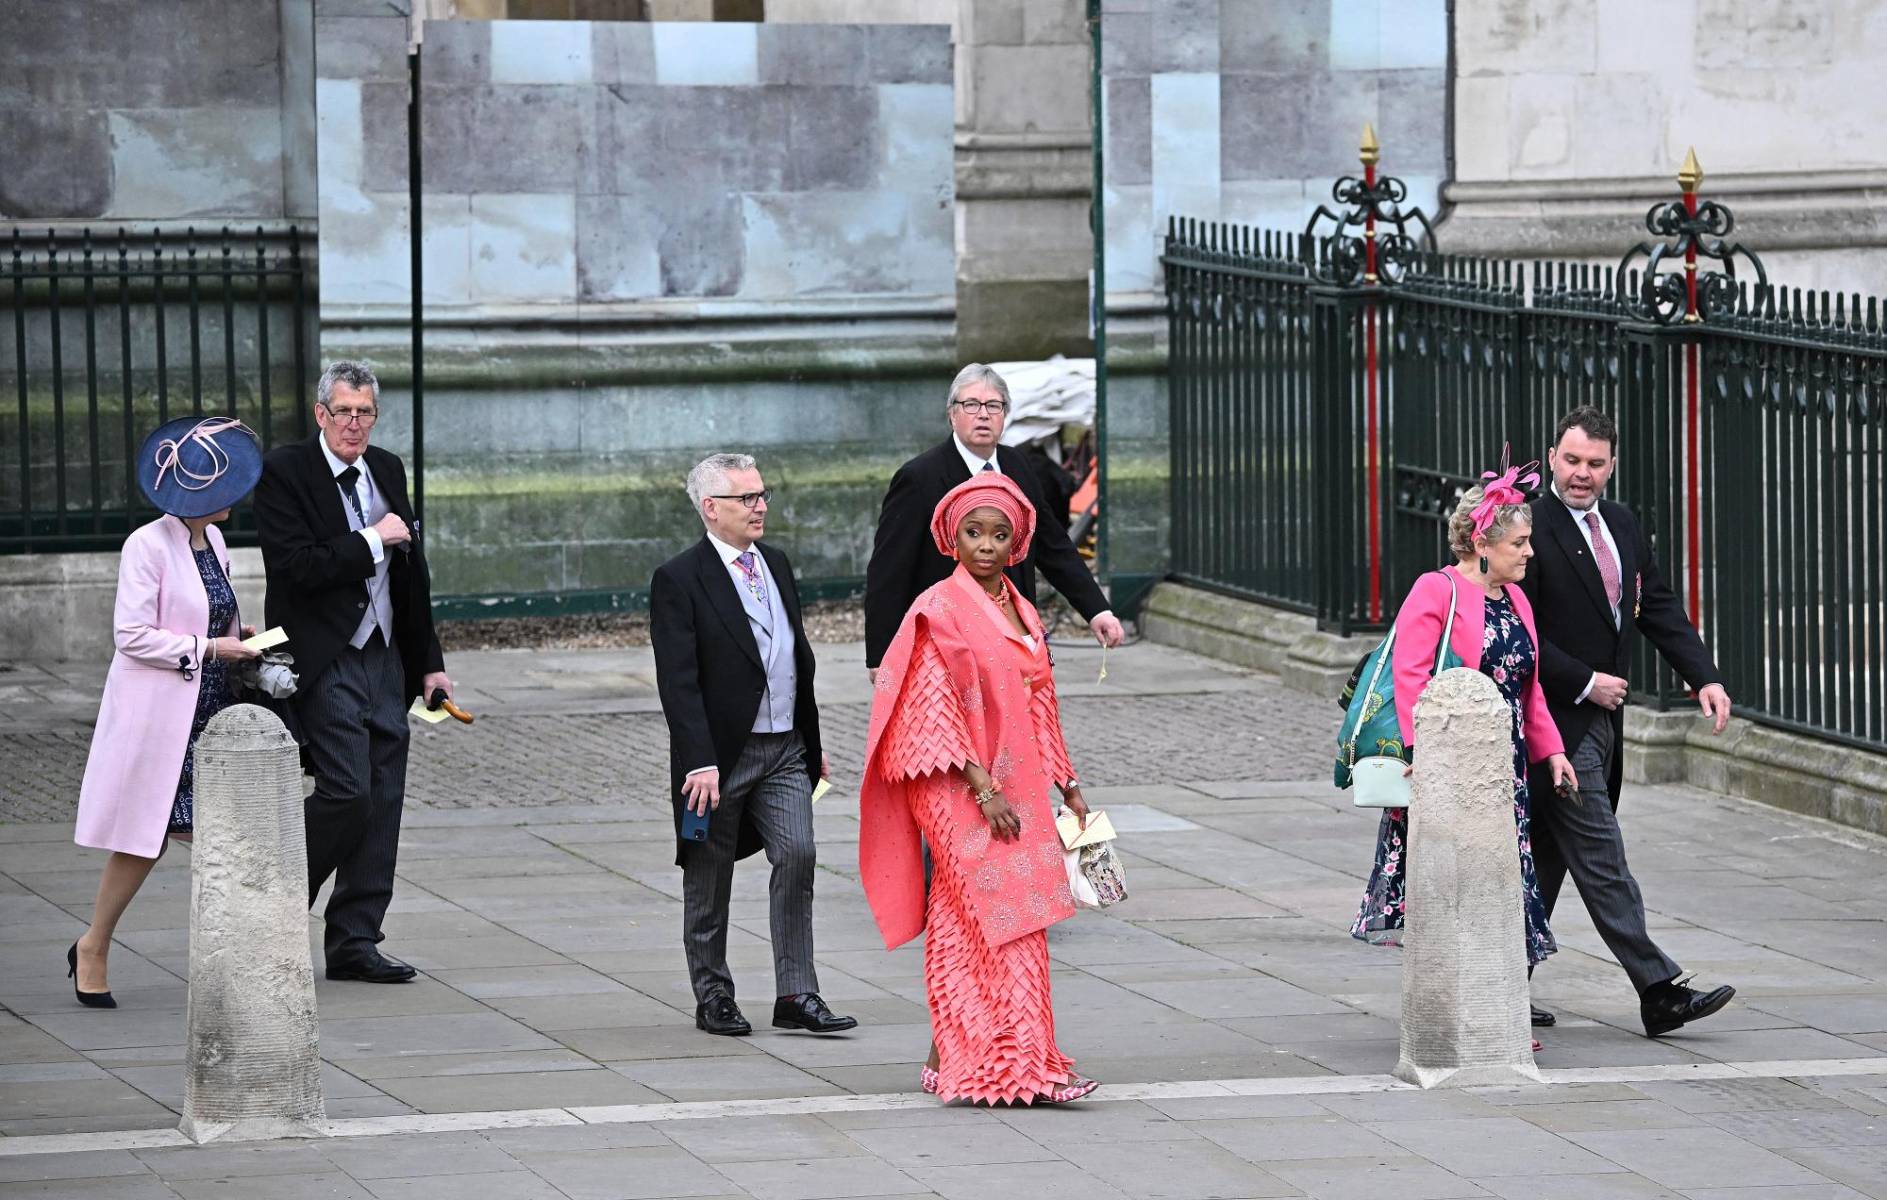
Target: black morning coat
{"points": [[905, 561], [1575, 623], [709, 674], [319, 568]]}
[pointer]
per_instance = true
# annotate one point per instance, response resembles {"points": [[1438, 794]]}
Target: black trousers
{"points": [[354, 720]]}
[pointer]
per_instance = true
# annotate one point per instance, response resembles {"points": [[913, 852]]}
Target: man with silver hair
{"points": [[904, 559], [347, 581], [735, 675]]}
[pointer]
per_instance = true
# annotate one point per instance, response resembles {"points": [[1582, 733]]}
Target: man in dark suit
{"points": [[1595, 586], [735, 675], [904, 558], [347, 581]]}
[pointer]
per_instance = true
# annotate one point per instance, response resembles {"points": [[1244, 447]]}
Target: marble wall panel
{"points": [[224, 162]]}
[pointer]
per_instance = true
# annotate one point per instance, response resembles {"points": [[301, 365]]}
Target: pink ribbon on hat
{"points": [[1504, 488], [203, 433]]}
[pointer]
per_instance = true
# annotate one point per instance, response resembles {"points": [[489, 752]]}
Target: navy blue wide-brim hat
{"points": [[195, 466]]}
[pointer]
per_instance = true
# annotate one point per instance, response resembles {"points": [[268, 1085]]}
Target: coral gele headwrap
{"points": [[1503, 489], [984, 490]]}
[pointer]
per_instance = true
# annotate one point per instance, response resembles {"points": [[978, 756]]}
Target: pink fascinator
{"points": [[1504, 488]]}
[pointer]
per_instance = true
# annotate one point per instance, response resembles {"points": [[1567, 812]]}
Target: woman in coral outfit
{"points": [[965, 744]]}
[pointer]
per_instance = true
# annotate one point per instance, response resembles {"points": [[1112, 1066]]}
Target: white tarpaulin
{"points": [[1044, 396]]}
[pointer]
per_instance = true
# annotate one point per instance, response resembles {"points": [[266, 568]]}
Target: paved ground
{"points": [[548, 1050]]}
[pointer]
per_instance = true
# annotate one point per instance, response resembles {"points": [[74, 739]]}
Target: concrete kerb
{"points": [[1786, 770]]}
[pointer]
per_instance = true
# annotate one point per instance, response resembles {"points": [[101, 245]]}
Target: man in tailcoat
{"points": [[347, 581], [735, 675], [1595, 586], [904, 557]]}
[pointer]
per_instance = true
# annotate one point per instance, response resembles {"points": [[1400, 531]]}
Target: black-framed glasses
{"points": [[994, 408], [363, 417], [748, 500]]}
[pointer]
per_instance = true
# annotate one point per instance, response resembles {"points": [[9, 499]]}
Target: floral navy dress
{"points": [[1507, 657], [213, 694]]}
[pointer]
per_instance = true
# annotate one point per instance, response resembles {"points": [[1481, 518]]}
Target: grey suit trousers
{"points": [[768, 785], [354, 718], [1584, 838]]}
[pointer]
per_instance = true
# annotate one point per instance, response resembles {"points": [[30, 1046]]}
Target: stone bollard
{"points": [[1464, 961], [252, 1068]]}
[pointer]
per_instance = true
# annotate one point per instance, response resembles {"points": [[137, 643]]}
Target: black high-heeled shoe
{"points": [[88, 999]]}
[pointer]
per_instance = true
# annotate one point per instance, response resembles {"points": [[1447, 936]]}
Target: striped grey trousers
{"points": [[770, 787]]}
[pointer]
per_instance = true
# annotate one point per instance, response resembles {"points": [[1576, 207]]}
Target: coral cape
{"points": [[1015, 888]]}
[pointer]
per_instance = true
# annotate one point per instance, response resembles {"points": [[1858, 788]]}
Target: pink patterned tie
{"points": [[756, 583], [1608, 566]]}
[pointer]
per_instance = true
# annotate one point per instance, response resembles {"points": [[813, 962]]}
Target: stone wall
{"points": [[644, 242], [577, 163], [1572, 117], [1248, 110], [125, 110]]}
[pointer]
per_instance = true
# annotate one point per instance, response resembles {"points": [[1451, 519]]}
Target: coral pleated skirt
{"points": [[990, 1007]]}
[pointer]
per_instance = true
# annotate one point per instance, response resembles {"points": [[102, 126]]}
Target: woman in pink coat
{"points": [[176, 631], [1491, 534]]}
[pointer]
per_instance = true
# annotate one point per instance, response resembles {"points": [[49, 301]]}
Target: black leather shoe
{"points": [[1543, 1019], [1667, 1006], [719, 1014], [373, 967], [808, 1011]]}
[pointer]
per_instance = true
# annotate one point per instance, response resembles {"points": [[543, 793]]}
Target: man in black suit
{"points": [[347, 581], [735, 675], [904, 558], [1595, 585]]}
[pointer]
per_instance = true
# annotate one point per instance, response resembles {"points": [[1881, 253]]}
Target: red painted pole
{"points": [[1688, 177], [1371, 152]]}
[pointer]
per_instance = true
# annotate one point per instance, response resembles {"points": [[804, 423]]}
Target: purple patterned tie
{"points": [[756, 582], [1608, 566]]}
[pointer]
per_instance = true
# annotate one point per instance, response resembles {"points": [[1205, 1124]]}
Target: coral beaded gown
{"points": [[960, 685]]}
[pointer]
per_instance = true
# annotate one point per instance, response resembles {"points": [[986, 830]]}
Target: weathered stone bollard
{"points": [[252, 1067], [1464, 963]]}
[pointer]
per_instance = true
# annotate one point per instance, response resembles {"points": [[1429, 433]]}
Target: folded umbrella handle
{"points": [[441, 700]]}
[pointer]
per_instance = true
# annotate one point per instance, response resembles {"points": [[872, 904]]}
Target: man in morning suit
{"points": [[904, 557], [735, 675], [1595, 586], [347, 581]]}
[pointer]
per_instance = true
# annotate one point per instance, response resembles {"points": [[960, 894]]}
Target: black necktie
{"points": [[347, 479], [988, 466]]}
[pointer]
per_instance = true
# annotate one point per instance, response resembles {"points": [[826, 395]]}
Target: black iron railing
{"points": [[1329, 406], [102, 340]]}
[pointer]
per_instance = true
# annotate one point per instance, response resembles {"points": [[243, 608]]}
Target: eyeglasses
{"points": [[748, 500], [363, 417], [994, 408]]}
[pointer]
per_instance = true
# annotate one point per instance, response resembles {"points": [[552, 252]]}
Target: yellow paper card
{"points": [[1073, 837], [267, 638], [819, 789], [425, 714]]}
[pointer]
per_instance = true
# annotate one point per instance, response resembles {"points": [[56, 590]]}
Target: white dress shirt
{"points": [[973, 461], [1611, 544], [363, 491]]}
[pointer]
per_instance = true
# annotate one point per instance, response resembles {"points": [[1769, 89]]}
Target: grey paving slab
{"points": [[952, 1145], [1040, 1181], [1493, 1146], [329, 1185], [1613, 1185], [741, 1077], [237, 1161], [1180, 1170], [1371, 1177], [627, 1174], [817, 1178], [1265, 1140], [544, 1089], [30, 1168], [500, 1185], [1693, 1158], [123, 1187], [762, 1139]]}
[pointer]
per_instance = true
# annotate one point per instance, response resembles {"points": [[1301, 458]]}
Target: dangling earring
{"points": [[1483, 564]]}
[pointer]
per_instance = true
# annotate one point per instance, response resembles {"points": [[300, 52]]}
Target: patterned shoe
{"points": [[929, 1079], [1076, 1088]]}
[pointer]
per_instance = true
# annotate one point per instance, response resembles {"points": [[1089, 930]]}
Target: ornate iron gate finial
{"points": [[1374, 255], [1697, 228]]}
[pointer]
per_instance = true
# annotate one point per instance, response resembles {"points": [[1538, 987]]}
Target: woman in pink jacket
{"points": [[1491, 534], [176, 632]]}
